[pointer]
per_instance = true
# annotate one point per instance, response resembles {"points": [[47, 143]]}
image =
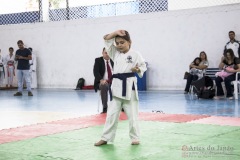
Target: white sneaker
{"points": [[230, 98], [218, 97]]}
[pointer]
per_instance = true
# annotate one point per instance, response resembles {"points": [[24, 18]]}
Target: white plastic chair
{"points": [[236, 84]]}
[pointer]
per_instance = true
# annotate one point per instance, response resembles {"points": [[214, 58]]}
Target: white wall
{"points": [[186, 4], [168, 41]]}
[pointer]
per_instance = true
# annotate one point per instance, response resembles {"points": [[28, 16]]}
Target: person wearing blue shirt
{"points": [[23, 55]]}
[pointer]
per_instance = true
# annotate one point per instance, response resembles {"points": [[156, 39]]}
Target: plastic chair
{"points": [[236, 84]]}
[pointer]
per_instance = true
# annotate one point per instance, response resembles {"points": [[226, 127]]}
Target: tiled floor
{"points": [[55, 104]]}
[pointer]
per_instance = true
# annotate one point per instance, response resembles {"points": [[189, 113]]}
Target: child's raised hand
{"points": [[121, 32]]}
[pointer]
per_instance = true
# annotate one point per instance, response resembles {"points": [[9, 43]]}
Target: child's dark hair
{"points": [[126, 37], [19, 42], [230, 51], [195, 60], [11, 48]]}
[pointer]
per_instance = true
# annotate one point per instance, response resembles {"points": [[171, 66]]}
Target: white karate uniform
{"points": [[123, 63], [10, 66], [32, 70], [1, 71]]}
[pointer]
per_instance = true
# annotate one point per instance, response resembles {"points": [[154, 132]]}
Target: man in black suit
{"points": [[102, 71]]}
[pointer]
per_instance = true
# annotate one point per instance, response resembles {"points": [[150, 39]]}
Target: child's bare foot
{"points": [[135, 143], [101, 142]]}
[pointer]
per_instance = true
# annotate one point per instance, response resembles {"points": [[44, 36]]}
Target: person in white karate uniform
{"points": [[123, 90], [33, 67], [10, 66], [2, 71]]}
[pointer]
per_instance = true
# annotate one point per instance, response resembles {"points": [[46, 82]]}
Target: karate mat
{"points": [[161, 138]]}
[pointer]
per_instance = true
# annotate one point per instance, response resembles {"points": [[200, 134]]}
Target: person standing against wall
{"points": [[102, 70], [232, 44], [2, 72], [33, 67], [10, 66], [127, 62], [23, 55]]}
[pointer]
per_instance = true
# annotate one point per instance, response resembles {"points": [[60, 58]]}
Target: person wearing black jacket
{"points": [[103, 69]]}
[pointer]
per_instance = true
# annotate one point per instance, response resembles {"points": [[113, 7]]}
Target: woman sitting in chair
{"points": [[200, 70], [227, 60]]}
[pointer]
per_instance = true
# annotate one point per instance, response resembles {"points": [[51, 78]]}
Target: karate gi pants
{"points": [[1, 78], [114, 109], [10, 75]]}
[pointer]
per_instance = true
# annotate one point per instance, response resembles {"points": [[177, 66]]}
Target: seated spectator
{"points": [[102, 71], [199, 70], [195, 71], [228, 59]]}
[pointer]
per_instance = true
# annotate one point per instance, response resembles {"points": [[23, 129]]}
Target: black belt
{"points": [[123, 77]]}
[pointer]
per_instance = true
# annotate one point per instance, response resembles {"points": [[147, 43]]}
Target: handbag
{"points": [[186, 74], [207, 93]]}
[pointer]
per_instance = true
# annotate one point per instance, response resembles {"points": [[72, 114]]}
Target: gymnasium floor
{"points": [[61, 124]]}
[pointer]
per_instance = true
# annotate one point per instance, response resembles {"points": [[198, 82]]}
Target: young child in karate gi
{"points": [[2, 72], [10, 65], [123, 91]]}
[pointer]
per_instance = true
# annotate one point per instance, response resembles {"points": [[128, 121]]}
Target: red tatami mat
{"points": [[223, 121], [36, 130], [169, 117]]}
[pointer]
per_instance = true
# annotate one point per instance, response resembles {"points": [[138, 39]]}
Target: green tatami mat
{"points": [[159, 141]]}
